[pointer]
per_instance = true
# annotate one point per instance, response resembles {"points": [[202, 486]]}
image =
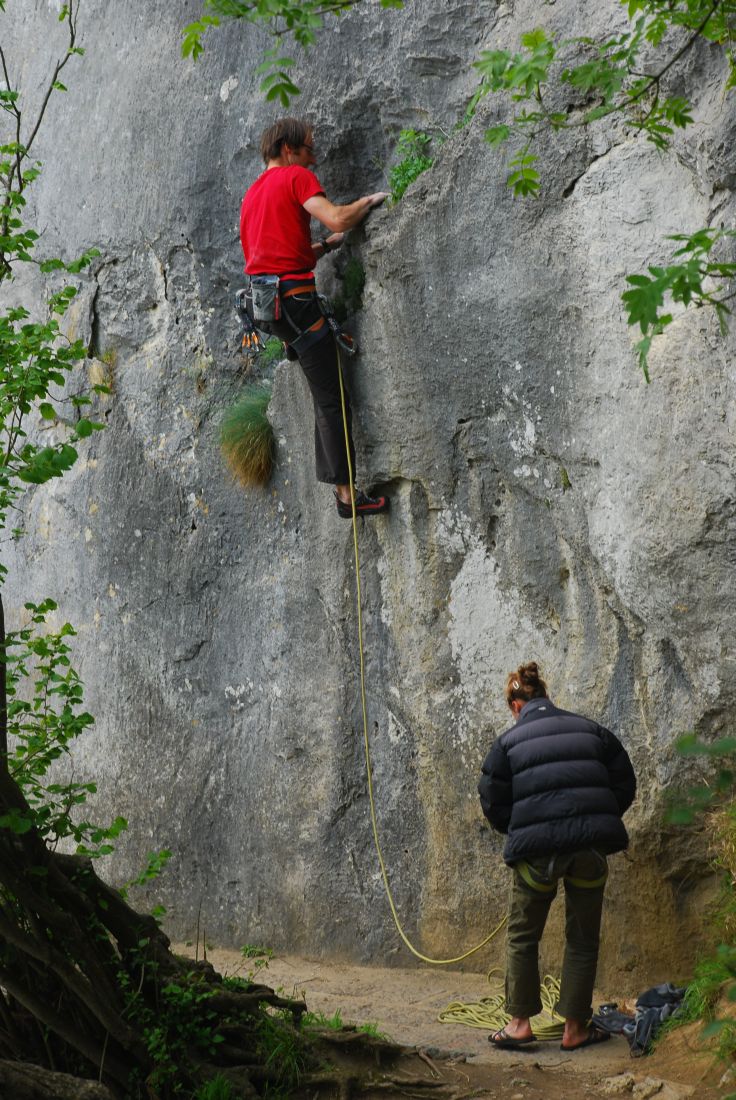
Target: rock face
{"points": [[546, 503]]}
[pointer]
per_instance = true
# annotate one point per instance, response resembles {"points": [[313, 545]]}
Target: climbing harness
{"points": [[547, 884], [265, 296], [343, 339], [490, 1014], [366, 742]]}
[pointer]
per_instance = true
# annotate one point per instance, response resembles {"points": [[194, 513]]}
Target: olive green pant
{"points": [[533, 890]]}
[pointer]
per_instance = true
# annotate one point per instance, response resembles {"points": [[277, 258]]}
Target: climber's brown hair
{"points": [[525, 683], [294, 132]]}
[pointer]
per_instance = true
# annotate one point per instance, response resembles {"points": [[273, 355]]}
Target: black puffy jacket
{"points": [[557, 782]]}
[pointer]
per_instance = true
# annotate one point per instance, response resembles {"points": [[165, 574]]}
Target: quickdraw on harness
{"points": [[251, 341], [265, 297]]}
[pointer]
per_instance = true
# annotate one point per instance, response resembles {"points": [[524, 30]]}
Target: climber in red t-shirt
{"points": [[275, 234]]}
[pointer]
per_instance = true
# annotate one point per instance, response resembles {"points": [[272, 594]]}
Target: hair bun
{"points": [[525, 683]]}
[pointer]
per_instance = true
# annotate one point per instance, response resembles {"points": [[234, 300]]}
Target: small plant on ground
{"points": [[706, 989], [372, 1030], [253, 951], [721, 828], [282, 1048], [318, 1019], [714, 980], [413, 153], [247, 439], [219, 1088], [259, 956]]}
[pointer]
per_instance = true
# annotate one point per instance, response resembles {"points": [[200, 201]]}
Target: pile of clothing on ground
{"points": [[653, 1007]]}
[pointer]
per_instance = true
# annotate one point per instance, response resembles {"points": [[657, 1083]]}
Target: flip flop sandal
{"points": [[507, 1042], [595, 1036]]}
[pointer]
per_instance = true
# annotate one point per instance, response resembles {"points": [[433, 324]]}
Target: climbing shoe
{"points": [[364, 505]]}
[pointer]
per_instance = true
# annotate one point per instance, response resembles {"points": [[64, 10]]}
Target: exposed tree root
{"points": [[90, 987], [21, 1081], [348, 1081]]}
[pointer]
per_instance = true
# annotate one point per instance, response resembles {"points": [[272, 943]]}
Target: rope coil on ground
{"points": [[489, 1013]]}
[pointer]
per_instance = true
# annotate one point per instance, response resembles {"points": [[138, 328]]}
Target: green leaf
{"points": [[271, 63], [599, 112], [642, 349], [493, 65], [192, 36], [644, 300], [680, 815], [690, 745], [495, 135], [47, 411], [84, 428], [83, 261], [16, 822], [677, 109], [533, 39], [524, 181], [596, 76]]}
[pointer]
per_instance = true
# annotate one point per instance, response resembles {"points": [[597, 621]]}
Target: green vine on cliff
{"points": [[697, 280], [607, 78]]}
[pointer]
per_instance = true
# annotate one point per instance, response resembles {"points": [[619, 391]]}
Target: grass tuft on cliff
{"points": [[246, 438]]}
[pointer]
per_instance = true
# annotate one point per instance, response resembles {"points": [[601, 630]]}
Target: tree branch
{"points": [[59, 66], [683, 50]]}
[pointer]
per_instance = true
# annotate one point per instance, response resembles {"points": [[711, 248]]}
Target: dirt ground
{"points": [[404, 1005]]}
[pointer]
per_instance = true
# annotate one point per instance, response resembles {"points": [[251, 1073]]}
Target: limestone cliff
{"points": [[546, 503]]}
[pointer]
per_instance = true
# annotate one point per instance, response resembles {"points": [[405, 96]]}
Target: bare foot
{"points": [[577, 1034], [518, 1028]]}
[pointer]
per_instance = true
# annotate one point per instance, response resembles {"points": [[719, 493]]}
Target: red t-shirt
{"points": [[274, 226]]}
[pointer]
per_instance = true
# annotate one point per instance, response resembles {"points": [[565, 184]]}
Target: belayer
{"points": [[279, 260], [557, 785]]}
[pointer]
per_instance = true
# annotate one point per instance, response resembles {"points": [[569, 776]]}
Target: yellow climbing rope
{"points": [[489, 1013], [366, 742]]}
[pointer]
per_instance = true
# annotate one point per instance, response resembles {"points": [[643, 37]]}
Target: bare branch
{"points": [[71, 18]]}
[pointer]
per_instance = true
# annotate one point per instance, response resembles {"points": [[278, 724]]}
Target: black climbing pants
{"points": [[320, 366], [533, 889]]}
